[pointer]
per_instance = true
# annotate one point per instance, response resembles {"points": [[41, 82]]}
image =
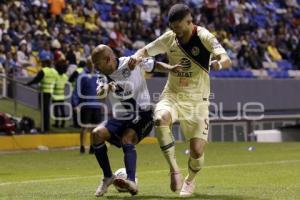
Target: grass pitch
{"points": [[272, 171]]}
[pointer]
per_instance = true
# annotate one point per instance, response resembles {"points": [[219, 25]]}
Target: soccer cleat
{"points": [[105, 183], [126, 184], [176, 181], [188, 188]]}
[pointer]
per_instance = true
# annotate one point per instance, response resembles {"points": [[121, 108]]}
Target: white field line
{"points": [[151, 172]]}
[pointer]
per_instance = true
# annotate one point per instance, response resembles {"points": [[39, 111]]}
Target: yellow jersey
{"points": [[193, 83]]}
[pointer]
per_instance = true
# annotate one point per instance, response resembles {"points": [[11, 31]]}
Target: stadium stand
{"points": [[261, 37]]}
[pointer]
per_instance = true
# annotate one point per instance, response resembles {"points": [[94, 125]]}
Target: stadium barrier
{"points": [[47, 141]]}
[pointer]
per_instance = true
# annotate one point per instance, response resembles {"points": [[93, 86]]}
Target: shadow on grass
{"points": [[195, 196]]}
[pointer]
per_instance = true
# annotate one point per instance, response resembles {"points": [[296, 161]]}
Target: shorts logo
{"points": [[186, 63], [126, 73], [195, 51]]}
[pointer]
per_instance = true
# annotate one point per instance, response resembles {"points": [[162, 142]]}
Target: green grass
{"points": [[232, 172]]}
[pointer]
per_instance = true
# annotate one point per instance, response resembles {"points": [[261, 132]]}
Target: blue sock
{"points": [[102, 158], [130, 160]]}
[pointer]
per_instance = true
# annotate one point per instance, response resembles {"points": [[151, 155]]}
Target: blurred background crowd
{"points": [[258, 35]]}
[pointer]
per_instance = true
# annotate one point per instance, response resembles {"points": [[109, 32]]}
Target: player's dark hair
{"points": [[178, 12]]}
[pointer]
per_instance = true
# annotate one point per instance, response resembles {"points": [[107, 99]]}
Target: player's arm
{"points": [[150, 65], [220, 58], [158, 46], [141, 53], [222, 61], [164, 67]]}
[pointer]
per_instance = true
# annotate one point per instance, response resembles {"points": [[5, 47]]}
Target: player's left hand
{"points": [[134, 61]]}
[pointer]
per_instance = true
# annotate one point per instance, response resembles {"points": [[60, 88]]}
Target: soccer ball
{"points": [[121, 173]]}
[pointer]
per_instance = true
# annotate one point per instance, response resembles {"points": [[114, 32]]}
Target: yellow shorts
{"points": [[192, 116]]}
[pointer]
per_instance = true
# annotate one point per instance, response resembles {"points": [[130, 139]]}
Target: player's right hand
{"points": [[112, 86], [177, 68]]}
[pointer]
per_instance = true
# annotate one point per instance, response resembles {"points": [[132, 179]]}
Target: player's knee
{"points": [[197, 151], [129, 138], [196, 154], [162, 119], [100, 135]]}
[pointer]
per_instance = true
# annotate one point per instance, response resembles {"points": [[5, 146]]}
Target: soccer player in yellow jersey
{"points": [[186, 95]]}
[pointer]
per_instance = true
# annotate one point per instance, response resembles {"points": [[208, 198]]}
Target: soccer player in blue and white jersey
{"points": [[126, 88]]}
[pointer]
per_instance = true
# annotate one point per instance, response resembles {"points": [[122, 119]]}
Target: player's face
{"points": [[106, 63], [181, 28]]}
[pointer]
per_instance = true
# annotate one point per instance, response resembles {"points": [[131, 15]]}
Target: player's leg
{"points": [[129, 139], [163, 122], [82, 139], [111, 131], [100, 135], [195, 164], [138, 129], [84, 120], [95, 119], [196, 160], [195, 129]]}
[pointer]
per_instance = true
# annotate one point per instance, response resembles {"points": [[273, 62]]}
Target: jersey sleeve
{"points": [[148, 64], [210, 42], [160, 45]]}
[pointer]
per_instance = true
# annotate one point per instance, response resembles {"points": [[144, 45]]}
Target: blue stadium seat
{"points": [[212, 73], [138, 2], [245, 74], [284, 65], [278, 74], [125, 9], [128, 52]]}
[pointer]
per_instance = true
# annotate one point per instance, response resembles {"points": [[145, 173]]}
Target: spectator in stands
{"points": [[7, 41], [273, 51], [56, 7], [69, 16], [71, 58], [2, 72], [22, 55], [11, 64], [89, 9], [87, 22], [146, 15], [2, 54], [2, 28], [90, 24], [79, 17], [46, 51]]}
